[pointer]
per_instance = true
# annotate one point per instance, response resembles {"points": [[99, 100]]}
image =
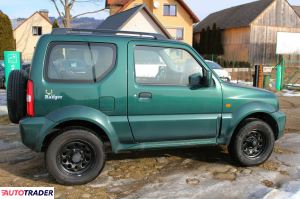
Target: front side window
{"points": [[170, 10], [37, 30], [164, 66], [80, 61]]}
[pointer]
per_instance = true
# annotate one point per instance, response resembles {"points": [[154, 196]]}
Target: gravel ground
{"points": [[206, 172]]}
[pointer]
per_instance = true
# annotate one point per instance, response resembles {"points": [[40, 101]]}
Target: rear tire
{"points": [[16, 95], [253, 144], [75, 157]]}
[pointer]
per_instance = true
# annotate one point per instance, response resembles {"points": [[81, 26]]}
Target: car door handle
{"points": [[145, 95]]}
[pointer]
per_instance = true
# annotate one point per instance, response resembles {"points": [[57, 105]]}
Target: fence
{"points": [[291, 77], [242, 72]]}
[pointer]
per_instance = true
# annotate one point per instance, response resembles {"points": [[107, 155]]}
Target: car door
{"points": [[161, 105]]}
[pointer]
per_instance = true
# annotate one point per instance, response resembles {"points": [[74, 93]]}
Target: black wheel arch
{"points": [[77, 124], [265, 117]]}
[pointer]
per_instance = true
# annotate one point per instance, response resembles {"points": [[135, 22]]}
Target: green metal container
{"points": [[267, 78], [12, 61], [278, 77]]}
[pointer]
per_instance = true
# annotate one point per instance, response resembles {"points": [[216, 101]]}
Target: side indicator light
{"points": [[228, 105]]}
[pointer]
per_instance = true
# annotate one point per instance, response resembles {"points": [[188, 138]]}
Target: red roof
{"points": [[116, 2], [123, 3]]}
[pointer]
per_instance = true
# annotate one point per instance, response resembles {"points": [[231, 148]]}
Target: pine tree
{"points": [[7, 42], [213, 40], [55, 24], [202, 41], [219, 43], [207, 45]]}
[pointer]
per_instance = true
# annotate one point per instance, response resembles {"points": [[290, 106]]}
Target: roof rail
{"points": [[60, 31]]}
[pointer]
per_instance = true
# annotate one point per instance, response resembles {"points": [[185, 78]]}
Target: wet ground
{"points": [[3, 109], [206, 172], [2, 97]]}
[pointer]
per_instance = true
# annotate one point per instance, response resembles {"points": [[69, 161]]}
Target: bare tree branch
{"points": [[71, 3], [85, 13], [62, 3], [56, 7], [66, 7], [85, 1]]}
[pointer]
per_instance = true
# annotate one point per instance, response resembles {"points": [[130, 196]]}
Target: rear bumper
{"points": [[33, 131], [281, 120]]}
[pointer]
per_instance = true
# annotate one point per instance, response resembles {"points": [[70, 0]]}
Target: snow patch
{"points": [[290, 93], [242, 82]]}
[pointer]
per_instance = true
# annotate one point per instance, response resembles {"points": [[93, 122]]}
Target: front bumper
{"points": [[280, 118], [33, 131]]}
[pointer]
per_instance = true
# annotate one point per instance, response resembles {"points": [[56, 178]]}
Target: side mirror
{"points": [[207, 78], [195, 80]]}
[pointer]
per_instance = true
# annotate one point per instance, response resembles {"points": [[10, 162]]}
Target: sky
{"points": [[24, 8]]}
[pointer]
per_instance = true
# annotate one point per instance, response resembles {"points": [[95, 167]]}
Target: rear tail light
{"points": [[30, 98]]}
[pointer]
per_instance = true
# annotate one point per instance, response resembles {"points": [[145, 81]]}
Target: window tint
{"points": [[164, 66], [104, 57], [170, 10], [213, 65], [80, 61]]}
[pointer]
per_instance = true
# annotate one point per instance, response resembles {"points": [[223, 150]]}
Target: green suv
{"points": [[90, 92]]}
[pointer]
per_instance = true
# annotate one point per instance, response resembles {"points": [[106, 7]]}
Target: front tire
{"points": [[75, 157], [253, 144]]}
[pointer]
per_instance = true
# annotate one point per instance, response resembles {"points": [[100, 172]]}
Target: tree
{"points": [[64, 8], [207, 41], [7, 41], [202, 41], [55, 24], [213, 40], [210, 41], [219, 43]]}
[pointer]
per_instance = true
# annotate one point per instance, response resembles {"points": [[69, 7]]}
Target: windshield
{"points": [[213, 65]]}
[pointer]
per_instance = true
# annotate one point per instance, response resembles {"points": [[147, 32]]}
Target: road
{"points": [[206, 172]]}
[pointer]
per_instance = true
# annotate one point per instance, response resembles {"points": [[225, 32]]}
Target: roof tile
{"points": [[238, 16], [297, 9]]}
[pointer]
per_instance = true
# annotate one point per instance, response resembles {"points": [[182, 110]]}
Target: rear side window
{"points": [[80, 62]]}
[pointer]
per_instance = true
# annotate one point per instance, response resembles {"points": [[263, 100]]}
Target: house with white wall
{"points": [[28, 31]]}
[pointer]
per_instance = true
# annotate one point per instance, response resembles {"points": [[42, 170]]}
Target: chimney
{"points": [[45, 13]]}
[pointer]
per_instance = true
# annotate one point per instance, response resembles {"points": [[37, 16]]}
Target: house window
{"points": [[179, 33], [170, 10], [37, 30], [176, 33]]}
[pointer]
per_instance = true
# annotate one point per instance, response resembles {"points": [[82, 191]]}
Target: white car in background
{"points": [[221, 72]]}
